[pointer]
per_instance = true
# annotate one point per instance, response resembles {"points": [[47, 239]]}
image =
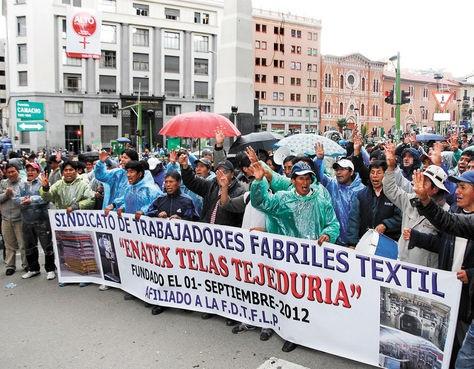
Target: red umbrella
{"points": [[199, 124]]}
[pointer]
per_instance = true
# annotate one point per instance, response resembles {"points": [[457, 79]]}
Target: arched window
{"points": [[392, 112], [362, 110], [326, 82], [329, 107], [373, 86], [341, 82], [330, 82], [373, 110], [363, 83], [341, 109]]}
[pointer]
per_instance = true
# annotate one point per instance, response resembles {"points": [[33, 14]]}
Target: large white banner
{"points": [[83, 33], [330, 298]]}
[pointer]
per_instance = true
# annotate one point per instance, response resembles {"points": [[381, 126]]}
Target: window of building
{"points": [[108, 59], [201, 43], [3, 87], [171, 64], [107, 108], [201, 66], [202, 18], [411, 89], [362, 84], [77, 62], [22, 78], [63, 28], [18, 2], [72, 82], [264, 28], [22, 56], [281, 80], [108, 84], [171, 87], [275, 80], [341, 81], [73, 107], [257, 27], [282, 112], [108, 6], [203, 108], [201, 89], [172, 14], [263, 45], [392, 112], [275, 96], [425, 92], [281, 96], [298, 112], [264, 111], [21, 26], [25, 137], [257, 95], [76, 3], [173, 109], [108, 133], [141, 37], [362, 110], [171, 40], [274, 111], [290, 112], [141, 9], [141, 84], [257, 44], [140, 61], [108, 33], [341, 109]]}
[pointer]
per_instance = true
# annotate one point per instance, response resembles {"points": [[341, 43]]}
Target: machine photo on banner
{"points": [[330, 298]]}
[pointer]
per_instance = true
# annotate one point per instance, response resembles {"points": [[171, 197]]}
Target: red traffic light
{"points": [[79, 132]]}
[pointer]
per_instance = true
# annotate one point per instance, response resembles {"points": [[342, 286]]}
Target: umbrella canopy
{"points": [[89, 155], [429, 137], [258, 140], [304, 143], [199, 124], [123, 140]]}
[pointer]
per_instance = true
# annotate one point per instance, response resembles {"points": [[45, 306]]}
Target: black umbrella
{"points": [[258, 140], [91, 155]]}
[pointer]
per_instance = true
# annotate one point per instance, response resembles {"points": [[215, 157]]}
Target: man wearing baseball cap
{"points": [[343, 189], [35, 224]]}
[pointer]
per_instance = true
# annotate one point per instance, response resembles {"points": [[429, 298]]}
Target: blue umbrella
{"points": [[303, 143], [123, 140], [429, 137]]}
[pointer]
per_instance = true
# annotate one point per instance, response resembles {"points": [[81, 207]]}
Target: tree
{"points": [[341, 123]]}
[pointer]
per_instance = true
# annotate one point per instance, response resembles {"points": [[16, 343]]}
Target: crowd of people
{"points": [[421, 196]]}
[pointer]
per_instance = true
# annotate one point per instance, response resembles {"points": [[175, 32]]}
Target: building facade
{"points": [[351, 91], [287, 71], [162, 50]]}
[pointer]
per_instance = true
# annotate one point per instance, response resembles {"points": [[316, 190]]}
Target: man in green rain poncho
{"points": [[304, 211]]}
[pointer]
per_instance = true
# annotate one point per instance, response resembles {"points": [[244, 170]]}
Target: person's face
{"points": [[124, 159], [228, 173], [31, 173], [171, 185], [202, 170], [343, 175], [54, 165], [133, 176], [89, 167], [208, 156], [287, 168], [376, 177], [470, 166], [302, 184], [269, 162], [69, 174], [12, 174], [465, 195], [407, 160], [463, 162], [431, 189]]}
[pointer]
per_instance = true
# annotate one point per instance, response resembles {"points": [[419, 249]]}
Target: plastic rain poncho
{"points": [[293, 215], [115, 182], [139, 196]]}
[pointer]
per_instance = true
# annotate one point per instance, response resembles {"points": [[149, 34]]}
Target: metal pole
{"points": [[151, 134], [397, 98], [139, 122]]}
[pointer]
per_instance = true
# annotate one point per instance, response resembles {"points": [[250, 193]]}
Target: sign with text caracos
{"points": [[367, 308], [83, 33]]}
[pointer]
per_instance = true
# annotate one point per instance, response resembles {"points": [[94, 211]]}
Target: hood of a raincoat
{"points": [[139, 196]]}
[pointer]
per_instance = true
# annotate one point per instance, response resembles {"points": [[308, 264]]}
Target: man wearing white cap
{"points": [[343, 189], [434, 177]]}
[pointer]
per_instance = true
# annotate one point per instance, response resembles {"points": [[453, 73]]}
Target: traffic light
{"points": [[114, 110], [79, 132], [389, 97], [405, 97]]}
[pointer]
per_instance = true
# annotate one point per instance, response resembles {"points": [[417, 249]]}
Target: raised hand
{"points": [[103, 155], [173, 156], [453, 142], [219, 136], [44, 180], [222, 179], [435, 154], [357, 139], [419, 186], [319, 150], [183, 161], [258, 171], [251, 154], [390, 155]]}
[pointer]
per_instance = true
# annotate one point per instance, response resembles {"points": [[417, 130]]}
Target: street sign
{"points": [[31, 126], [29, 110], [442, 99]]}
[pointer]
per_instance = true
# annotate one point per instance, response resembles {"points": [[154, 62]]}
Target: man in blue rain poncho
{"points": [[115, 181], [139, 194], [343, 189]]}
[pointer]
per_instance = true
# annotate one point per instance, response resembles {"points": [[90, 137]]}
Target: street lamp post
{"points": [[458, 125], [397, 94], [422, 109]]}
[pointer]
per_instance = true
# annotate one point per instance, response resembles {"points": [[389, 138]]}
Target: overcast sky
{"points": [[428, 34]]}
